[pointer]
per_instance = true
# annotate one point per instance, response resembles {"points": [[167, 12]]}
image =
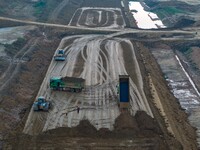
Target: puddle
{"points": [[144, 19]]}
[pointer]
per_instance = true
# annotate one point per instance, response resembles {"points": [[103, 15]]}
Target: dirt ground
{"points": [[18, 94], [170, 104], [130, 132], [134, 134]]}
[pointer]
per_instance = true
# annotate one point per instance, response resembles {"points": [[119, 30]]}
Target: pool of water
{"points": [[144, 19]]}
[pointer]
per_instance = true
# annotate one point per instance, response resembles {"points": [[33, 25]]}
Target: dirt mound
{"points": [[125, 121], [146, 123], [86, 128], [126, 133], [125, 126]]}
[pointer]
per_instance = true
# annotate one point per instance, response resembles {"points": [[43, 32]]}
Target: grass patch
{"points": [[172, 10], [168, 10], [39, 8], [2, 11], [44, 8]]}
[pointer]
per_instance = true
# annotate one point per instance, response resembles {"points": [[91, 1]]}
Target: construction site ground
{"points": [[155, 119]]}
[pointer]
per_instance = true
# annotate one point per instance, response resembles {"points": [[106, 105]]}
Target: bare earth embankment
{"points": [[154, 120]]}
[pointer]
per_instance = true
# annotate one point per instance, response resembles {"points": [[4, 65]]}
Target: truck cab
{"points": [[55, 83], [60, 55]]}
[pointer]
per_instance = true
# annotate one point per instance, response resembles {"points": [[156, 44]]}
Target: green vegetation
{"points": [[12, 49], [44, 8], [2, 11], [39, 8], [172, 10], [168, 10], [150, 3]]}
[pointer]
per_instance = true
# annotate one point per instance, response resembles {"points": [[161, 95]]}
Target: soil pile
{"points": [[147, 124], [126, 128]]}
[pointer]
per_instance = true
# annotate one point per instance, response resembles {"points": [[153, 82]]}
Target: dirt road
{"points": [[99, 61], [180, 34]]}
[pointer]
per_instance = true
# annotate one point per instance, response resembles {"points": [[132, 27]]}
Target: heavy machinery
{"points": [[60, 55], [41, 104], [71, 84]]}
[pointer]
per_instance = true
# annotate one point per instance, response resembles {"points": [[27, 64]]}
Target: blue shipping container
{"points": [[124, 89]]}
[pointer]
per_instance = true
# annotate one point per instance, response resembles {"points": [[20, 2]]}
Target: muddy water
{"points": [[180, 84]]}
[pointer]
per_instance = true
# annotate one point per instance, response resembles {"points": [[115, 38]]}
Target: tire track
{"points": [[98, 101], [8, 75]]}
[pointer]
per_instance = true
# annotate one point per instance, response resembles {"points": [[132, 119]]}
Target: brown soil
{"points": [[177, 118], [17, 97], [138, 132], [195, 55], [127, 128], [189, 53], [141, 129]]}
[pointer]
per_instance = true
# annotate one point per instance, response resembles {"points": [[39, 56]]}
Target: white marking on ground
{"points": [[103, 62], [89, 21]]}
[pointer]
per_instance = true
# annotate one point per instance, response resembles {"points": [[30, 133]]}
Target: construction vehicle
{"points": [[41, 104], [124, 94], [71, 84], [60, 55]]}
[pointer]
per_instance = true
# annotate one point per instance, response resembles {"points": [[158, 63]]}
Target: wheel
{"points": [[72, 90], [49, 105], [35, 108], [77, 90]]}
